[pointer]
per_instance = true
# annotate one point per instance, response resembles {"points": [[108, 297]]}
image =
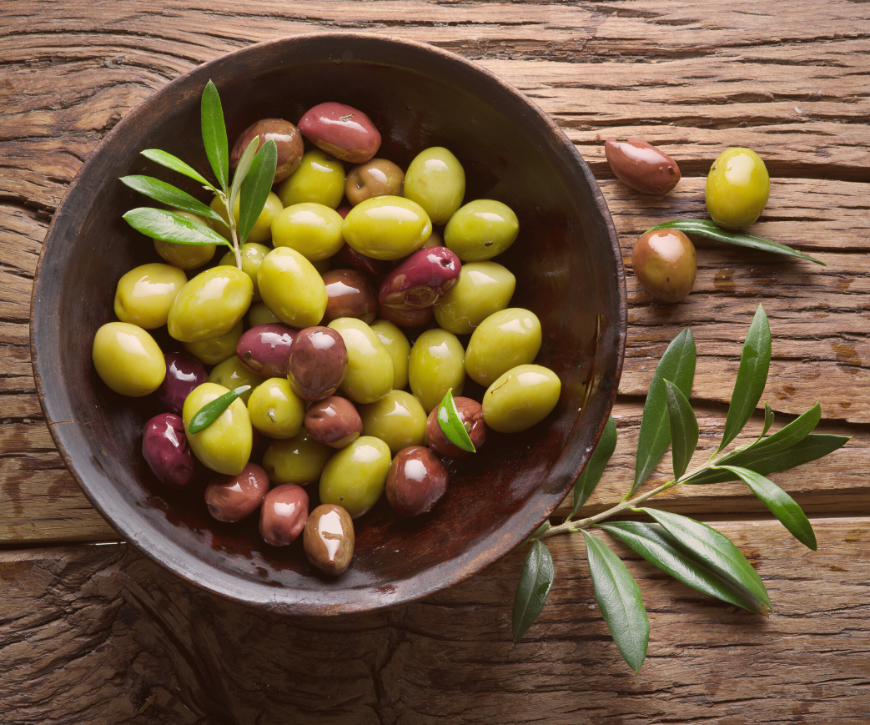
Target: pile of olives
{"points": [[318, 325]]}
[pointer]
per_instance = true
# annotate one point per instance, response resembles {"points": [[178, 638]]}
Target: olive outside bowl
{"points": [[566, 260]]}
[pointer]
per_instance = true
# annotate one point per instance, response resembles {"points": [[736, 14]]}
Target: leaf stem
{"points": [[231, 223]]}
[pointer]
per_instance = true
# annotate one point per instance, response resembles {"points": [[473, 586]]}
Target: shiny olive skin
{"points": [[292, 288], [297, 460], [520, 398], [145, 294], [471, 415], [378, 177], [369, 375], [260, 314], [421, 280], [265, 349], [665, 263], [481, 229], [328, 539], [275, 410], [416, 481], [354, 477], [165, 449], [211, 304], [641, 166], [317, 364], [737, 189], [319, 179], [347, 257], [232, 498], [386, 227], [437, 363], [313, 230], [409, 319], [334, 421], [233, 373], [397, 345], [225, 445], [262, 229], [252, 257], [183, 374], [483, 288], [283, 514], [503, 340], [341, 131], [349, 294], [187, 256], [216, 349], [397, 419], [436, 181], [128, 359], [287, 138]]}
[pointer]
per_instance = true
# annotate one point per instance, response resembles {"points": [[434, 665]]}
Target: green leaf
{"points": [[591, 475], [709, 230], [717, 551], [791, 434], [678, 366], [171, 227], [242, 170], [661, 549], [256, 186], [619, 599], [684, 429], [176, 164], [214, 134], [537, 532], [451, 425], [210, 412], [768, 421], [751, 377], [781, 505], [536, 579], [169, 195]]}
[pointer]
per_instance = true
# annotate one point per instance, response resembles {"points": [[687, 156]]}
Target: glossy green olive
{"points": [[483, 288], [292, 288], [297, 460], [211, 304], [232, 373], [128, 359], [354, 478], [145, 294], [262, 229], [187, 256], [216, 349], [319, 179], [260, 314], [737, 188], [225, 446], [397, 345], [397, 419], [504, 340], [369, 375], [386, 227], [252, 257], [275, 409], [437, 364], [313, 230], [436, 181], [481, 229], [523, 396]]}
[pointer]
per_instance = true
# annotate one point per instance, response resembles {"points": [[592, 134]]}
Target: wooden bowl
{"points": [[566, 260]]}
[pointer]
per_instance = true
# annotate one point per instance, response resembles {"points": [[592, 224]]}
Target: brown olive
{"points": [[334, 421], [264, 349], [348, 294], [231, 498], [416, 481], [421, 280], [329, 538], [286, 137], [641, 166], [283, 515], [317, 364], [665, 263], [348, 257], [471, 415], [407, 318], [378, 177]]}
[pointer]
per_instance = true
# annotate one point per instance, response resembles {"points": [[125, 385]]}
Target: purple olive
{"points": [[283, 515], [348, 294], [318, 361], [421, 280], [416, 481], [165, 448], [264, 349], [471, 415], [349, 257], [231, 498], [287, 139], [183, 374], [334, 421], [407, 318], [342, 131]]}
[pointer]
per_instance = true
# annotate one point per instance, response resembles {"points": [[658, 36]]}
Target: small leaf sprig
{"points": [[451, 424], [210, 412], [690, 551]]}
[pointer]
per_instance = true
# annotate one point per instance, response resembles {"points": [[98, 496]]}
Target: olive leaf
{"points": [[214, 134], [210, 412], [790, 434], [242, 171], [176, 164], [451, 425], [684, 429], [256, 186], [536, 579], [768, 421], [171, 227], [537, 532], [594, 469], [169, 195]]}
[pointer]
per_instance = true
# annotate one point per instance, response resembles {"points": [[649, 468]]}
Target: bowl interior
{"points": [[568, 271]]}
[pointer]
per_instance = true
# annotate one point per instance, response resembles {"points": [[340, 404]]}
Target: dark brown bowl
{"points": [[568, 269]]}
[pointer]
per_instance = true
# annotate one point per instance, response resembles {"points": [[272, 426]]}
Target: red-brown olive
{"points": [[350, 258], [665, 263], [421, 280], [334, 421], [183, 373], [471, 415], [317, 364], [378, 177], [287, 139], [329, 539], [165, 449], [264, 349], [348, 294], [341, 131], [407, 318], [283, 515], [231, 498], [416, 481], [641, 166]]}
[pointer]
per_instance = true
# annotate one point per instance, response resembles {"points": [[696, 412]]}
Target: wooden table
{"points": [[91, 631]]}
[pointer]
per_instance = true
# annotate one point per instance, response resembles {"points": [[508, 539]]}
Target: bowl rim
{"points": [[401, 591]]}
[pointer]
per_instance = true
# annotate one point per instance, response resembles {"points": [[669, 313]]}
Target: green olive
{"points": [[521, 397], [481, 229], [397, 345], [232, 373], [386, 227], [252, 257], [437, 364], [737, 188], [225, 446], [483, 288], [298, 460], [187, 256], [262, 229], [436, 181], [145, 294], [216, 349], [369, 375], [211, 304], [275, 410], [354, 478], [313, 230], [292, 288], [397, 419], [260, 314], [128, 359], [504, 340], [319, 179]]}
